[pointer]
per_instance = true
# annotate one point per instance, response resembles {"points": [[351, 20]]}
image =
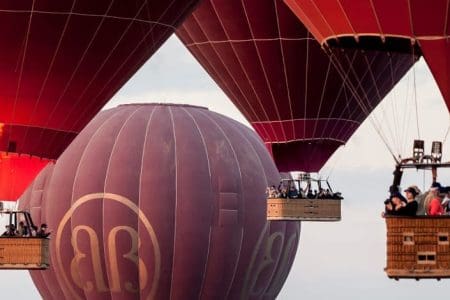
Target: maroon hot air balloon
{"points": [[60, 62], [391, 23], [162, 201], [302, 103]]}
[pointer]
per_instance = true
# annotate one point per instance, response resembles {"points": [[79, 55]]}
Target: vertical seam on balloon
{"points": [[111, 52], [113, 148], [410, 19], [176, 200], [228, 71], [377, 20], [227, 89], [267, 184], [446, 20], [324, 88], [355, 35], [288, 90], [140, 61], [144, 145], [241, 188], [240, 62], [262, 65], [55, 54], [335, 35], [75, 70], [41, 274], [19, 81], [212, 194], [113, 115], [293, 5]]}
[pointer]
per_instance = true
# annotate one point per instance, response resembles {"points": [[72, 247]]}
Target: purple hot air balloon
{"points": [[162, 201]]}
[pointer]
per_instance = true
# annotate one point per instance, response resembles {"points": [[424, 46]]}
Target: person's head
{"points": [[411, 193], [44, 226], [21, 224], [435, 188], [434, 191]]}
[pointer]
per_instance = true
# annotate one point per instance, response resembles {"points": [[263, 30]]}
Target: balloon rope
{"points": [[335, 163], [446, 134], [415, 96], [384, 114], [360, 102]]}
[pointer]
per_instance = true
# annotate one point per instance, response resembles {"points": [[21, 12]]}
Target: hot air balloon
{"points": [[60, 62], [162, 201], [386, 24], [303, 102]]}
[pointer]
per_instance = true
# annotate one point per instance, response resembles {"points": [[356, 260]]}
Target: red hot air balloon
{"points": [[419, 21], [301, 102], [163, 201], [60, 62]]}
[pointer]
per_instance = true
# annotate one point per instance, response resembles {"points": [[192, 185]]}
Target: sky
{"points": [[343, 260]]}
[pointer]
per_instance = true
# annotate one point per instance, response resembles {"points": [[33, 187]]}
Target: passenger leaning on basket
{"points": [[432, 202], [397, 206]]}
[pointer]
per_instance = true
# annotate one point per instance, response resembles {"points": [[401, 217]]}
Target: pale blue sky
{"points": [[335, 260]]}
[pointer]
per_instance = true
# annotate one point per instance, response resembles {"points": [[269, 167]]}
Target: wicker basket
{"points": [[418, 247], [304, 209], [24, 253]]}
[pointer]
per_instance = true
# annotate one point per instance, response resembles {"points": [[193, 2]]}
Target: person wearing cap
{"points": [[433, 202], [411, 203]]}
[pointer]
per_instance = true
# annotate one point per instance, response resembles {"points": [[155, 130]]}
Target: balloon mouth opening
{"points": [[164, 104]]}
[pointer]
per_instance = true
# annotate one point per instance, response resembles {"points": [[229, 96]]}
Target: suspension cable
{"points": [[352, 89], [415, 95]]}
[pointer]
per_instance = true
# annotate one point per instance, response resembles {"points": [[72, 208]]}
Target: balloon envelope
{"points": [[61, 61], [162, 201], [422, 22], [301, 101]]}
